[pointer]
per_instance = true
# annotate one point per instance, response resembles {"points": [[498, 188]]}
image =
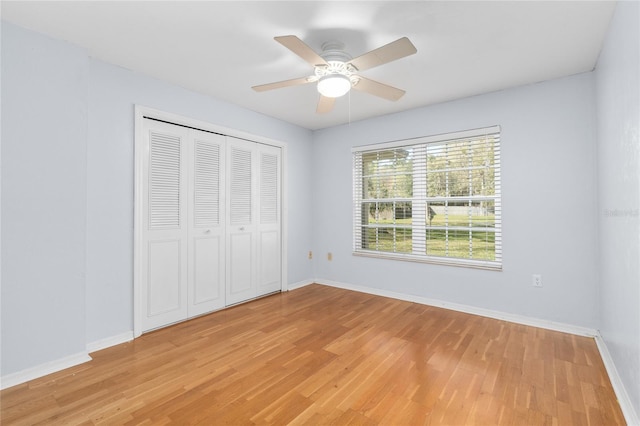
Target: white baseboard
{"points": [[299, 284], [109, 341], [518, 319], [50, 367], [19, 377], [629, 412]]}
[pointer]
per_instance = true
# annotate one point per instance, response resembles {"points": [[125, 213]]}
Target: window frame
{"points": [[420, 200]]}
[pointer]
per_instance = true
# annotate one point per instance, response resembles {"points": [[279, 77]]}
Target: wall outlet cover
{"points": [[536, 280]]}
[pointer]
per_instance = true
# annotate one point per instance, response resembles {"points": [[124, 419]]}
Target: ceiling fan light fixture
{"points": [[336, 72], [334, 85]]}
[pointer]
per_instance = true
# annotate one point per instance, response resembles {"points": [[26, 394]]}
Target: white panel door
{"points": [[241, 221], [164, 252], [206, 251], [269, 242]]}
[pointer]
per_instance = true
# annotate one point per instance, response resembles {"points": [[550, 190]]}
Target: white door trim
{"points": [[140, 113]]}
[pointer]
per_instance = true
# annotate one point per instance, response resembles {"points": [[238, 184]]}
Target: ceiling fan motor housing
{"points": [[334, 51], [337, 59]]}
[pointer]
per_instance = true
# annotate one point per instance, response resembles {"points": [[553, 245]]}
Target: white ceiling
{"points": [[223, 48]]}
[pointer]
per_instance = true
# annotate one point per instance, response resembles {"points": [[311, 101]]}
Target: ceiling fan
{"points": [[336, 72]]}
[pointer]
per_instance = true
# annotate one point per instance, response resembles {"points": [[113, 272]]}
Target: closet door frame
{"points": [[140, 113]]}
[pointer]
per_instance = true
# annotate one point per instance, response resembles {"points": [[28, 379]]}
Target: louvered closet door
{"points": [[242, 217], [164, 253], [269, 242], [206, 223], [211, 222]]}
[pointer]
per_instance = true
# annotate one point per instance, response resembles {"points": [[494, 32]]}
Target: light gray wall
{"points": [[618, 99], [44, 203], [549, 203], [113, 92], [67, 192]]}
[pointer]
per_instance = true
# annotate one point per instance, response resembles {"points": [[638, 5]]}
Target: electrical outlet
{"points": [[536, 280], [329, 256], [310, 255]]}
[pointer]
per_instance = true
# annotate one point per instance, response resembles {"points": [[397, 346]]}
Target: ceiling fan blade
{"points": [[325, 104], [285, 83], [382, 55], [378, 89], [298, 47]]}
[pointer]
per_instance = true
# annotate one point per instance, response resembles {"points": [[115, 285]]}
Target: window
{"points": [[432, 199]]}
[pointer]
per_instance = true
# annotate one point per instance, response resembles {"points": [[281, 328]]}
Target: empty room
{"points": [[320, 212]]}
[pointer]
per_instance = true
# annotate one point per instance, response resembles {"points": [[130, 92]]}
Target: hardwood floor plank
{"points": [[322, 355]]}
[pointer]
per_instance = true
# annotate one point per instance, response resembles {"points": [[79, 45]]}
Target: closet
{"points": [[210, 218]]}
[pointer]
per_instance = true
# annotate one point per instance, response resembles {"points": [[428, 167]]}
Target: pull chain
{"points": [[349, 107]]}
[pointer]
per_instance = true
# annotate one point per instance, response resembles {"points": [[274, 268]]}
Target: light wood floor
{"points": [[321, 355]]}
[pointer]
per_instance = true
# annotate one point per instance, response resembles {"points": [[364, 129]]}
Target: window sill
{"points": [[474, 264]]}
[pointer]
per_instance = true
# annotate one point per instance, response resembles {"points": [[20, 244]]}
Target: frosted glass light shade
{"points": [[334, 85]]}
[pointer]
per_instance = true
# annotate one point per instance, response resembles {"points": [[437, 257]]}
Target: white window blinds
{"points": [[433, 199]]}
